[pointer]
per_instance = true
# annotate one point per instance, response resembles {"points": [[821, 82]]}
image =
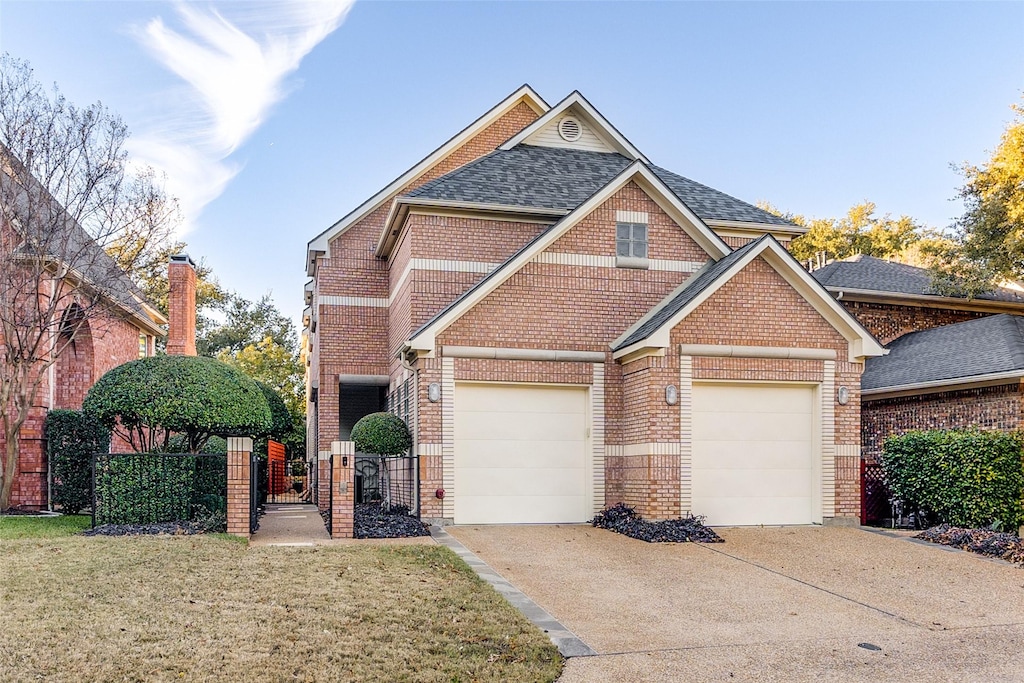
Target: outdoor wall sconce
{"points": [[671, 395], [843, 396], [434, 392]]}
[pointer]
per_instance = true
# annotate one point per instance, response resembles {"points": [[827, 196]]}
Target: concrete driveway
{"points": [[770, 604]]}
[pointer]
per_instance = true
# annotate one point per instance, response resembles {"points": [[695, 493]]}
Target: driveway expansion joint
{"points": [[567, 642]]}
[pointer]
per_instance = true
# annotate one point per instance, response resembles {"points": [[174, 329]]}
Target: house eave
{"points": [[925, 300], [943, 385]]}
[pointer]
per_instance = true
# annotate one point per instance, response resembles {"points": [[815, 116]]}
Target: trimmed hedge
{"points": [[280, 418], [967, 478], [72, 438], [151, 488], [188, 395], [381, 434]]}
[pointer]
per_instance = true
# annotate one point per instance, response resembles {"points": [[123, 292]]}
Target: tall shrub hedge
{"points": [[967, 478], [72, 438]]}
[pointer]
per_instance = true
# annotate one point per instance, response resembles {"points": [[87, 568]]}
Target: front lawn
{"points": [[23, 526], [205, 608]]}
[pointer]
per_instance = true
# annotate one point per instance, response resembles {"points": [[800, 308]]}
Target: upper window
{"points": [[631, 240]]}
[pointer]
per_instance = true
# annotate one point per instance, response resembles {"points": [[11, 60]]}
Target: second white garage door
{"points": [[753, 450], [520, 454]]}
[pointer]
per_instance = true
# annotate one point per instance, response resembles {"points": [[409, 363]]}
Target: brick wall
{"points": [[997, 407], [887, 321]]}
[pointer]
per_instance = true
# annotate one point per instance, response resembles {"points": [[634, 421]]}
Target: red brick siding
{"points": [[887, 321], [997, 407]]}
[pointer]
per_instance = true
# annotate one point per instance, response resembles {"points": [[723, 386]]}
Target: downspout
{"points": [[416, 408]]}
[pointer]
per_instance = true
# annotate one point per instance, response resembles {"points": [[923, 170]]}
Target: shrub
{"points": [[148, 400], [381, 434], [147, 488], [967, 478], [72, 438], [280, 418]]}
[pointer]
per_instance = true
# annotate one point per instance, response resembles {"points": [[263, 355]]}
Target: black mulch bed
{"points": [[372, 522], [624, 520], [171, 528], [1009, 547]]}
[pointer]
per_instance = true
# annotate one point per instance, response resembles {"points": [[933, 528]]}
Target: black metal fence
{"points": [[150, 488], [257, 490]]}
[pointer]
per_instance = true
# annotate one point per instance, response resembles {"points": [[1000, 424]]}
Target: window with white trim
{"points": [[631, 244]]}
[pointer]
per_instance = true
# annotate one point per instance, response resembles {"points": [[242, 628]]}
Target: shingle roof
{"points": [[875, 274], [562, 179], [984, 346], [689, 291]]}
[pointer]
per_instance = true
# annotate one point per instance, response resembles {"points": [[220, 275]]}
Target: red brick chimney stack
{"points": [[181, 305]]}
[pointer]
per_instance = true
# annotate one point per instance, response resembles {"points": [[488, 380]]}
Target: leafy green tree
{"points": [[990, 244], [860, 231], [247, 323], [149, 401], [385, 435]]}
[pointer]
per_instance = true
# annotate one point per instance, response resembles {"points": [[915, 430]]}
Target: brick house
{"points": [[113, 321], [565, 326], [953, 362]]}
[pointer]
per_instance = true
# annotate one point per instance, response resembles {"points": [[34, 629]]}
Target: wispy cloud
{"points": [[233, 60]]}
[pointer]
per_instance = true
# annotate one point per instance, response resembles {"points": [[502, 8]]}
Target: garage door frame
{"points": [[819, 454], [591, 456]]}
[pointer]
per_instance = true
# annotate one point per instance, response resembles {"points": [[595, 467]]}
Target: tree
{"points": [[384, 435], [990, 233], [149, 401], [66, 193], [858, 232]]}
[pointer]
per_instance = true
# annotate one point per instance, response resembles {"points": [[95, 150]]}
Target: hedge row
{"points": [[967, 478], [72, 438]]}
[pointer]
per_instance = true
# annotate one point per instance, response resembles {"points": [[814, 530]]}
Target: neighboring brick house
{"points": [[566, 326], [953, 362], [114, 323]]}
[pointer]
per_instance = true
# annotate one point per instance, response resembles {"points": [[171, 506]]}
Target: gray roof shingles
{"points": [[691, 289], [562, 179], [984, 346], [875, 274]]}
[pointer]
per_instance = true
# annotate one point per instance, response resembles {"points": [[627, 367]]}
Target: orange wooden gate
{"points": [[277, 479]]}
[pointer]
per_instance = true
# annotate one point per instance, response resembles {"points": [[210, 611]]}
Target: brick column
{"points": [[181, 306], [239, 465], [323, 481], [343, 485]]}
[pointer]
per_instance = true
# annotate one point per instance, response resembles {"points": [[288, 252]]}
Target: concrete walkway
{"points": [[771, 604], [291, 524]]}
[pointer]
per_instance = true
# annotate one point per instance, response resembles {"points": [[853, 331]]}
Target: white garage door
{"points": [[520, 454], [753, 449]]}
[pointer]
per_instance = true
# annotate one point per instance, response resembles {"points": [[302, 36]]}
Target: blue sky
{"points": [[811, 106]]}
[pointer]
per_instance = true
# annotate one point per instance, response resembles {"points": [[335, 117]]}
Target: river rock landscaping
{"points": [[1009, 547], [623, 519]]}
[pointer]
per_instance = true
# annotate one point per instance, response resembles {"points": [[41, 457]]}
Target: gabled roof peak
{"points": [[594, 123]]}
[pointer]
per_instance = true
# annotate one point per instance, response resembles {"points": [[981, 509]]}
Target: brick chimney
{"points": [[181, 306]]}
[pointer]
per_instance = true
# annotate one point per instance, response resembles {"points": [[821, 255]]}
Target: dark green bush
{"points": [[381, 434], [148, 488], [150, 399], [72, 438], [280, 418], [967, 478]]}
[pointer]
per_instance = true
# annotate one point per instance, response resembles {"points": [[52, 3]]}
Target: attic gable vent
{"points": [[570, 129]]}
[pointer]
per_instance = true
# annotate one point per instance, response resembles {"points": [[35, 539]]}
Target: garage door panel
{"points": [[520, 454], [753, 453], [529, 509], [537, 454], [510, 426], [726, 455], [517, 482]]}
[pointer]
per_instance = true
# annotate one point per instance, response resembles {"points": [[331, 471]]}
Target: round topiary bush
{"points": [[381, 434], [280, 418], [146, 401]]}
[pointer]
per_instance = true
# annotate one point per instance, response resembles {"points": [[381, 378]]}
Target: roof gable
{"points": [[638, 172], [320, 244], [653, 330], [599, 132]]}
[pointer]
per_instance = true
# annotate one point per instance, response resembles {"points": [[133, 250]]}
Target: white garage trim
{"points": [[597, 444], [552, 424], [816, 502]]}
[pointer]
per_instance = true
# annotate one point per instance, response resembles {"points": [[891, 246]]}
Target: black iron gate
{"points": [[256, 465], [328, 512]]}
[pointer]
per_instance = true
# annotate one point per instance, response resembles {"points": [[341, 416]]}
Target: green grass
{"points": [[19, 526], [198, 608]]}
